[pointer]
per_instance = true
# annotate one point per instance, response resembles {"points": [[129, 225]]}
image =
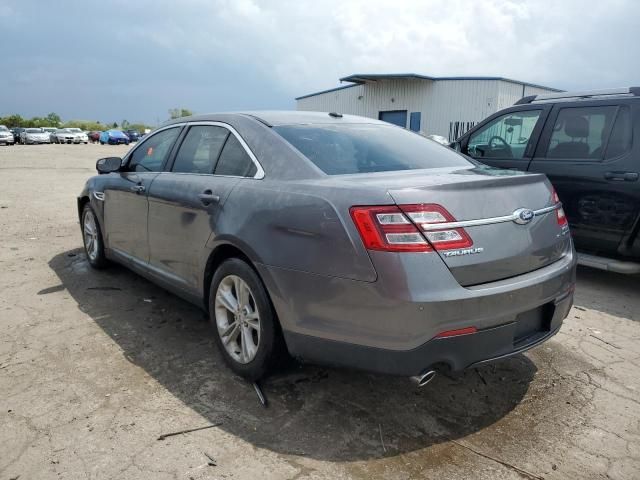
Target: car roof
{"points": [[274, 118]]}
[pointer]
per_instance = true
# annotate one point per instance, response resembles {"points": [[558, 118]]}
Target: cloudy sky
{"points": [[135, 59]]}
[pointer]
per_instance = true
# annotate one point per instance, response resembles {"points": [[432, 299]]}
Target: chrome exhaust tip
{"points": [[424, 378]]}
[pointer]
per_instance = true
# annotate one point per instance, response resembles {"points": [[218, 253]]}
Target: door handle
{"points": [[208, 197], [622, 176], [138, 189]]}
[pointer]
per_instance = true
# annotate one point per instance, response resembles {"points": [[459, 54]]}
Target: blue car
{"points": [[113, 137]]}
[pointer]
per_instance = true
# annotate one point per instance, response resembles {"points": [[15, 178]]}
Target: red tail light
{"points": [[560, 216], [403, 228], [386, 228]]}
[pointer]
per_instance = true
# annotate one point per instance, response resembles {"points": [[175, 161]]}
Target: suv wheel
{"points": [[247, 331]]}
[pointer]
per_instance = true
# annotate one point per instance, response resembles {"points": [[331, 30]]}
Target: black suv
{"points": [[588, 144]]}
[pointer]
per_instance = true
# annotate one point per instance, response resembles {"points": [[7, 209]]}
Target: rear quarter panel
{"points": [[293, 227]]}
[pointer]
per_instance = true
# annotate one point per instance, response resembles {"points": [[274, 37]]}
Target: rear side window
{"points": [[200, 149], [362, 148], [620, 139], [234, 160], [581, 132]]}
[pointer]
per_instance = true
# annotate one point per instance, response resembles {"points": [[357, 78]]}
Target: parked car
{"points": [[94, 136], [6, 136], [80, 135], [113, 137], [344, 240], [588, 144], [17, 131], [49, 130], [133, 135], [64, 135], [31, 136]]}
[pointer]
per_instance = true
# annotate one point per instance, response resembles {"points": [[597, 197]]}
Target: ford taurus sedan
{"points": [[338, 239]]}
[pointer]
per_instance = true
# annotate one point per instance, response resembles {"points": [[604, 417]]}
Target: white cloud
{"points": [[231, 54]]}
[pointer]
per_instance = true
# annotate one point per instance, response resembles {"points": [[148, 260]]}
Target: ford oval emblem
{"points": [[522, 216]]}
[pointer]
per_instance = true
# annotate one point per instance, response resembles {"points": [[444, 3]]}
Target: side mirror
{"points": [[108, 165]]}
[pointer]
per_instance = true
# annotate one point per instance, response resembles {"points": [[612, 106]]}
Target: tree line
{"points": [[54, 120]]}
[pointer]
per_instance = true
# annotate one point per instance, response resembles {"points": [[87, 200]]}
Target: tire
{"points": [[265, 343], [91, 231], [101, 142]]}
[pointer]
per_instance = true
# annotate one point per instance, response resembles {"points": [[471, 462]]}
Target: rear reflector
{"points": [[560, 216], [455, 333], [401, 228]]}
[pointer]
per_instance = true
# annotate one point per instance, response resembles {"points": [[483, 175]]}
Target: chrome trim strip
{"points": [[99, 196], [427, 227]]}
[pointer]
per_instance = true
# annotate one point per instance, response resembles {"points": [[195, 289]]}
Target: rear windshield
{"points": [[34, 130], [362, 148]]}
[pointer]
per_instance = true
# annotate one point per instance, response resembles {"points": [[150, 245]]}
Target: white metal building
{"points": [[447, 106]]}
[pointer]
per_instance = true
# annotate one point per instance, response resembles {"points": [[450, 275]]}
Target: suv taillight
{"points": [[403, 228], [560, 216]]}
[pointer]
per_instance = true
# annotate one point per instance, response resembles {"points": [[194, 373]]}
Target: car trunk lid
{"points": [[510, 218]]}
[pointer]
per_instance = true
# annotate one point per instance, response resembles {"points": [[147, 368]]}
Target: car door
{"points": [[185, 201], [587, 154], [125, 196], [507, 140]]}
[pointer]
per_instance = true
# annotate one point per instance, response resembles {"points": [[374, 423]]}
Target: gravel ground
{"points": [[95, 366]]}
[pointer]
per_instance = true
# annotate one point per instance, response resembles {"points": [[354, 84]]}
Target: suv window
{"points": [[234, 160], [620, 139], [150, 155], [580, 132], [504, 137], [200, 149]]}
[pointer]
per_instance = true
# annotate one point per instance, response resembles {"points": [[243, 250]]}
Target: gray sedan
{"points": [[336, 239]]}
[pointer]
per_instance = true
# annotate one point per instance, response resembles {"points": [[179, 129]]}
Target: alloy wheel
{"points": [[237, 319], [90, 229]]}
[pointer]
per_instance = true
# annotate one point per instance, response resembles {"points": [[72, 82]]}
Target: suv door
{"points": [[586, 151], [185, 201], [508, 138], [125, 196]]}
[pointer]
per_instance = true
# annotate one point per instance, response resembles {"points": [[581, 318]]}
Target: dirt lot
{"points": [[95, 366]]}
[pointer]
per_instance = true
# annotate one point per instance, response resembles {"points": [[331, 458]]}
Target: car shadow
{"points": [[326, 414], [608, 292]]}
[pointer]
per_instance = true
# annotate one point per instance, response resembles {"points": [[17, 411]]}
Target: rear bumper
{"points": [[458, 353], [391, 325]]}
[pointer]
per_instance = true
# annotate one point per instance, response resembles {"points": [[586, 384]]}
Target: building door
{"points": [[397, 117]]}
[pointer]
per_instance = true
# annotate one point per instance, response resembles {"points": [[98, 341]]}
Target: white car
{"points": [[63, 135], [80, 135], [32, 136], [6, 136]]}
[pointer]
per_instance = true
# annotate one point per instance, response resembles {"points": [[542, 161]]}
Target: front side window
{"points": [[151, 154], [234, 160], [364, 148], [200, 149], [580, 132], [504, 137]]}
